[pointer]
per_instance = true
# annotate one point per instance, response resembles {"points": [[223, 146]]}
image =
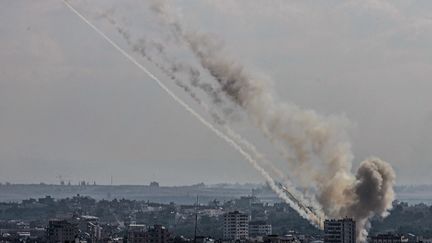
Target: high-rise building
{"points": [[62, 231], [259, 228], [340, 231], [236, 226]]}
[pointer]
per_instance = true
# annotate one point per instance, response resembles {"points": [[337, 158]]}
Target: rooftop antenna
{"points": [[196, 220]]}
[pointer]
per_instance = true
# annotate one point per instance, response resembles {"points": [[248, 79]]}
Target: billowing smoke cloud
{"points": [[316, 147], [247, 155], [372, 193], [286, 190], [339, 192], [172, 69], [310, 138]]}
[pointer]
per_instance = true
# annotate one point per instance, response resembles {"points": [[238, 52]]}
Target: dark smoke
{"points": [[305, 134], [372, 193]]}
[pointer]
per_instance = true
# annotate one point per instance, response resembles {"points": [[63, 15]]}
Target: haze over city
{"points": [[72, 106], [208, 121]]}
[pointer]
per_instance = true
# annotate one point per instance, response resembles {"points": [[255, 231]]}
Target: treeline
{"points": [[404, 219]]}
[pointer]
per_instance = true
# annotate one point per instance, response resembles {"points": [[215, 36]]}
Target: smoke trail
{"points": [[145, 48], [310, 215], [322, 153], [142, 47]]}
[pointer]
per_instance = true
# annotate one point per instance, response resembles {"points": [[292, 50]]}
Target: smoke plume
{"points": [[372, 192], [279, 191], [316, 147], [286, 190], [144, 48]]}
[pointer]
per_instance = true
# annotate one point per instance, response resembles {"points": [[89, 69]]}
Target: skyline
{"points": [[73, 114]]}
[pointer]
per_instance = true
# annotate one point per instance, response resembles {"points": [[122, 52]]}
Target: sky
{"points": [[71, 106]]}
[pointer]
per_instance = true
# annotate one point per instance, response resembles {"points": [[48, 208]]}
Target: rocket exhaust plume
{"points": [[321, 152], [316, 147], [309, 214], [144, 48]]}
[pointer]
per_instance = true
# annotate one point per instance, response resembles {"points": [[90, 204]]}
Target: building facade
{"points": [[259, 228], [340, 231], [89, 225], [236, 226], [158, 234], [138, 233], [388, 238], [62, 231]]}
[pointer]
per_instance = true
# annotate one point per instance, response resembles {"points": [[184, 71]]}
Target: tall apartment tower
{"points": [[236, 226], [340, 231]]}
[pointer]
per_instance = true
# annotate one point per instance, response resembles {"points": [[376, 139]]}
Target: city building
{"points": [[94, 232], [388, 238], [340, 231], [259, 228], [280, 239], [235, 226], [90, 225], [62, 231], [137, 233], [158, 234]]}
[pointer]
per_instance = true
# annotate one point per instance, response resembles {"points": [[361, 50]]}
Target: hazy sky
{"points": [[71, 105]]}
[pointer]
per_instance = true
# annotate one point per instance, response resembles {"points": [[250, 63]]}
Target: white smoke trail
{"points": [[143, 47], [311, 137], [308, 215]]}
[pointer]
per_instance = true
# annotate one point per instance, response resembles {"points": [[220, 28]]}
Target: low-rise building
{"points": [[388, 238], [62, 231], [139, 233], [158, 234], [259, 228]]}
